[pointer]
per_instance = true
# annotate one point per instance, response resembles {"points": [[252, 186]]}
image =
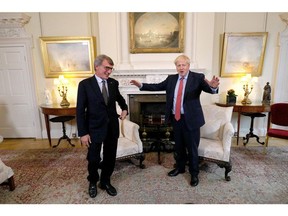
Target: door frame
{"points": [[28, 45]]}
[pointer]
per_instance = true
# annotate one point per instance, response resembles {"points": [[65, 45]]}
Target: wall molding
{"points": [[12, 25], [280, 89], [129, 61]]}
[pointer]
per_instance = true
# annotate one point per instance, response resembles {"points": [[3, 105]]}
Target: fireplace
{"points": [[144, 105], [148, 111]]}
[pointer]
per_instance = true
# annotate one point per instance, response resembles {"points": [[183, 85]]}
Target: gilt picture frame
{"points": [[156, 32], [243, 53], [68, 56]]}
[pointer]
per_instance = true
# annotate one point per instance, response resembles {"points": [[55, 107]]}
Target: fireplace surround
{"points": [[143, 105], [148, 111]]}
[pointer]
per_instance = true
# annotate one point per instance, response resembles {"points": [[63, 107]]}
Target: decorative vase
{"points": [[230, 99]]}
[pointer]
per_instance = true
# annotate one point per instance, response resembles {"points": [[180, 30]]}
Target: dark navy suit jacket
{"points": [[92, 114], [191, 103]]}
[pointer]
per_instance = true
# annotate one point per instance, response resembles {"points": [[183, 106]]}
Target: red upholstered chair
{"points": [[278, 120]]}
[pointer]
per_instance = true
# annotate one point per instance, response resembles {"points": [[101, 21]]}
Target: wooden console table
{"points": [[57, 110], [247, 108]]}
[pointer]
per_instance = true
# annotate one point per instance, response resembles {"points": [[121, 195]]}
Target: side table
{"points": [[246, 108], [57, 110]]}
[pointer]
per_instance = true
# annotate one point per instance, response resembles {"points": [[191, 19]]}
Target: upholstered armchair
{"points": [[6, 175], [216, 136], [129, 142]]}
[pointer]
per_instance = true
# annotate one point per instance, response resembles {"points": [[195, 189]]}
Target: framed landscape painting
{"points": [[243, 53], [68, 56], [156, 32]]}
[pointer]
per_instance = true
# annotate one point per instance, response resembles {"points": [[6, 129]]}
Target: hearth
{"points": [[146, 104], [148, 111]]}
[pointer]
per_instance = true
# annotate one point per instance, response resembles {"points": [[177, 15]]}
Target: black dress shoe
{"points": [[175, 172], [194, 181], [92, 190], [109, 189]]}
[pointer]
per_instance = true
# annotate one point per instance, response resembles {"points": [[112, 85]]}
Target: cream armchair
{"points": [[216, 136], [6, 175], [129, 142]]}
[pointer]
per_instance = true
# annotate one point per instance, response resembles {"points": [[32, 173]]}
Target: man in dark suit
{"points": [[97, 122], [184, 111]]}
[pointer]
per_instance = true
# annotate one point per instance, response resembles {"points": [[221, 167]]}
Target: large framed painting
{"points": [[243, 53], [68, 56], [156, 32]]}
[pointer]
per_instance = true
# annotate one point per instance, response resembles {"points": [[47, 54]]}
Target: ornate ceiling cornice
{"points": [[284, 17], [13, 20], [12, 25]]}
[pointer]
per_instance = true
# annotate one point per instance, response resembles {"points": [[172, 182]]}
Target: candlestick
{"points": [[62, 89], [247, 90]]}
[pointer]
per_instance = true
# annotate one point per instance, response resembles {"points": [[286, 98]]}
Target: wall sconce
{"points": [[62, 85], [247, 80]]}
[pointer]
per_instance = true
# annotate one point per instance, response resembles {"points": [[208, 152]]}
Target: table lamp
{"points": [[62, 85], [247, 80]]}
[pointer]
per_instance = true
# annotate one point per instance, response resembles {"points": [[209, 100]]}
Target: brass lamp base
{"points": [[64, 103], [246, 101]]}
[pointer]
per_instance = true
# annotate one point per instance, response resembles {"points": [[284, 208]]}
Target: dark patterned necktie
{"points": [[104, 92]]}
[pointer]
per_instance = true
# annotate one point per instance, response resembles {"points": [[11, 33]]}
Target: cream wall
{"points": [[250, 22], [202, 44], [57, 24]]}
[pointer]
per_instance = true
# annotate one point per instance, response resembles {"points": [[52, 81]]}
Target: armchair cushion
{"points": [[210, 149], [126, 147], [211, 129]]}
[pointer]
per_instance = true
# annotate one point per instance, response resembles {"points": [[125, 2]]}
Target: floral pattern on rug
{"points": [[59, 176]]}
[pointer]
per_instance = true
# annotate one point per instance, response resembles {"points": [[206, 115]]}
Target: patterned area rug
{"points": [[59, 176]]}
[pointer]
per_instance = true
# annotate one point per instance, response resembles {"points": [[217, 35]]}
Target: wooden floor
{"points": [[36, 143], [44, 144]]}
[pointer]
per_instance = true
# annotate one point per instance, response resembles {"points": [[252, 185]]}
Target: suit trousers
{"points": [[108, 162], [186, 141]]}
